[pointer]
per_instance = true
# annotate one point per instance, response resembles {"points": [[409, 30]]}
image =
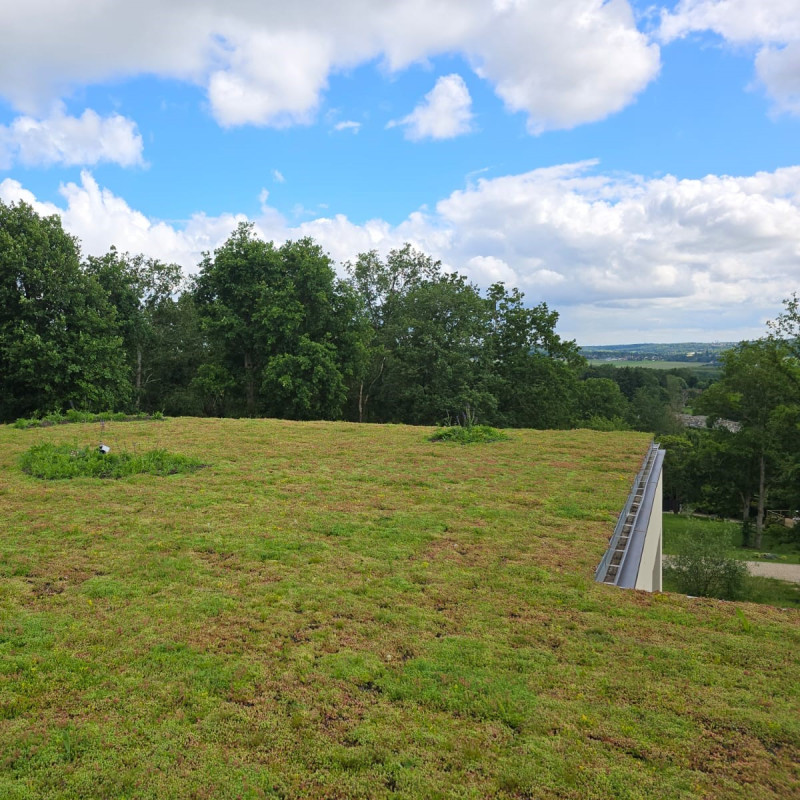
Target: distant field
{"points": [[342, 611], [661, 365]]}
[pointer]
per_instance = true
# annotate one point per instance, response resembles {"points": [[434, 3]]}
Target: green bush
{"points": [[599, 423], [57, 462], [470, 434], [57, 418], [704, 567]]}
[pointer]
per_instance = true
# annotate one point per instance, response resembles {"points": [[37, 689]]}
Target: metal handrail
{"points": [[602, 569]]}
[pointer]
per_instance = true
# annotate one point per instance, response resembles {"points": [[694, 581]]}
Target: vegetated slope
{"points": [[334, 610]]}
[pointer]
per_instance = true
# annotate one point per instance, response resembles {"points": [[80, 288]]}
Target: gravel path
{"points": [[784, 572], [767, 569]]}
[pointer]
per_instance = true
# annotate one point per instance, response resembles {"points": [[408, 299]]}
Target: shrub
{"points": [[598, 423], [57, 462], [57, 418], [704, 567], [471, 434]]}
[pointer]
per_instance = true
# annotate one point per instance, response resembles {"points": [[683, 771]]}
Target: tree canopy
{"points": [[273, 330], [60, 336]]}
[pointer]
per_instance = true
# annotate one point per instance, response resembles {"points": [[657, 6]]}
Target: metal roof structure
{"points": [[623, 564]]}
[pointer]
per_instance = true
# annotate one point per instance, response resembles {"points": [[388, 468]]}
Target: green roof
{"points": [[337, 610]]}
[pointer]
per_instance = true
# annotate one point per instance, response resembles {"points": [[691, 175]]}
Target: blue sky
{"points": [[635, 166]]}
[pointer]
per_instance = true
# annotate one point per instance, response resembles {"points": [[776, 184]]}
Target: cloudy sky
{"points": [[636, 165]]}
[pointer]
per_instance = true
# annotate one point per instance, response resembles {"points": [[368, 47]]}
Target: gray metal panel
{"points": [[610, 561], [629, 569]]}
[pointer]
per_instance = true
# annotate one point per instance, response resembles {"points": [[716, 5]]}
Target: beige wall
{"points": [[649, 575]]}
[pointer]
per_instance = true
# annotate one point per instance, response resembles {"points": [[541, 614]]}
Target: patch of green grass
{"points": [[58, 462], [468, 434], [340, 610], [770, 591], [678, 526], [783, 594], [73, 416]]}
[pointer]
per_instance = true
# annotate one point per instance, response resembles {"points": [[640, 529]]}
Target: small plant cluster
{"points": [[57, 418], [704, 567], [58, 462], [471, 434]]}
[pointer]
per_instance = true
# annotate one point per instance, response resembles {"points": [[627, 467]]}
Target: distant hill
{"points": [[677, 354]]}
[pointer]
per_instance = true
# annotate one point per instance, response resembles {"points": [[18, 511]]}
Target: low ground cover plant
{"points": [[334, 610], [57, 462], [468, 434], [73, 416]]}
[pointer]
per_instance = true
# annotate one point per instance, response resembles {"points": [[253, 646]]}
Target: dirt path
{"points": [[767, 569], [784, 572]]}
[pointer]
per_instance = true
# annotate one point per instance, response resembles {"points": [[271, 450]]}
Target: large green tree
{"points": [[285, 331], [439, 349], [435, 367], [142, 290], [759, 389], [786, 327], [60, 343], [381, 288], [533, 371]]}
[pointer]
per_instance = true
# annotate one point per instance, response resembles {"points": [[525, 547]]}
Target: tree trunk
{"points": [[745, 519], [138, 377], [363, 399], [762, 498], [250, 388]]}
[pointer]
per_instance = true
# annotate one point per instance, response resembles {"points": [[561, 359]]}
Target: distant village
{"points": [[694, 353]]}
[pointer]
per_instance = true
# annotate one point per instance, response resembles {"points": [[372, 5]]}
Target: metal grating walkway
{"points": [[611, 567]]}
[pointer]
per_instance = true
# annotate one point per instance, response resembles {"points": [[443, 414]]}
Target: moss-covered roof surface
{"points": [[331, 610]]}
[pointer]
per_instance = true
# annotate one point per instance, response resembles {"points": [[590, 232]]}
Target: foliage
{"points": [[59, 340], [786, 328], [142, 292], [435, 362], [647, 399], [468, 434], [55, 462], [760, 388], [703, 567], [73, 416], [437, 345], [268, 330], [600, 423], [601, 397], [286, 332]]}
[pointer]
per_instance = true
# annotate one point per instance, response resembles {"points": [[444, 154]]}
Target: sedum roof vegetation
{"points": [[333, 610]]}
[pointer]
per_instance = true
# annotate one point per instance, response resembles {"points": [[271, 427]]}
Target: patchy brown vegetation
{"points": [[334, 610]]}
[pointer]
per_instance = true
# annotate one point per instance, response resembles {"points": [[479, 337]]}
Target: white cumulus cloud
{"points": [[622, 258], [446, 112], [260, 63], [70, 141], [348, 125], [772, 28]]}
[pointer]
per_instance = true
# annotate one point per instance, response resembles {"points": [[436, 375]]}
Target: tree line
{"points": [[267, 330], [744, 470]]}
